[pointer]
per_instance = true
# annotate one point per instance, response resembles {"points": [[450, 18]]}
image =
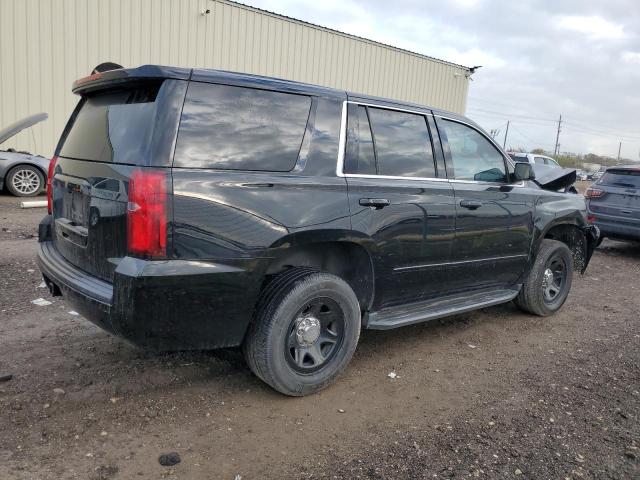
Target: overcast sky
{"points": [[540, 58]]}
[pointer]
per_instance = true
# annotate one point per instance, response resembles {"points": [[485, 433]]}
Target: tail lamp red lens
{"points": [[52, 169], [147, 214], [591, 218], [594, 193]]}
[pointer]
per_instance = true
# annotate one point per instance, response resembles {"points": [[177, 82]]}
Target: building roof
{"points": [[349, 35]]}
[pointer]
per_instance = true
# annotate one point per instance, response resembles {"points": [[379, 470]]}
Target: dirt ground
{"points": [[489, 394]]}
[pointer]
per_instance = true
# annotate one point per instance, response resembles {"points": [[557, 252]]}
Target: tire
{"points": [[535, 296], [295, 306], [25, 181], [600, 240]]}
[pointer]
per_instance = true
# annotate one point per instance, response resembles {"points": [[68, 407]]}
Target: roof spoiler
{"points": [[106, 74]]}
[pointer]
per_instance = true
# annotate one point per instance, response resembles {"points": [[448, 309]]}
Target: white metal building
{"points": [[47, 44]]}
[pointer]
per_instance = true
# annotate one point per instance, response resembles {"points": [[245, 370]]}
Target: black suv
{"points": [[198, 209]]}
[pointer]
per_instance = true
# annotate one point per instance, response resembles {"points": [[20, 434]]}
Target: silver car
{"points": [[22, 173]]}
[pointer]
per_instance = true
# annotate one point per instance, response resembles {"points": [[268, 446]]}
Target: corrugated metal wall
{"points": [[46, 44]]}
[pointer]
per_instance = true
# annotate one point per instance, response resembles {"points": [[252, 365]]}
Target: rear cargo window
{"points": [[237, 128], [113, 126], [621, 178]]}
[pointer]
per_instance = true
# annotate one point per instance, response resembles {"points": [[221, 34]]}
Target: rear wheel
{"points": [[25, 181], [305, 331], [549, 281]]}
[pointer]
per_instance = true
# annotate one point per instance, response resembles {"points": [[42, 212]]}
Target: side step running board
{"points": [[393, 317]]}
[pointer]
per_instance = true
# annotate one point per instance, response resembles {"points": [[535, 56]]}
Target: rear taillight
{"points": [[591, 218], [594, 193], [52, 168], [147, 214]]}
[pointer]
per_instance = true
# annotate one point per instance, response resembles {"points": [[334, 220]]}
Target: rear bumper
{"points": [[613, 227], [164, 305]]}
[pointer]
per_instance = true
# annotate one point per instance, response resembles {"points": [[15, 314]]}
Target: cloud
{"points": [[631, 57], [594, 27], [578, 58]]}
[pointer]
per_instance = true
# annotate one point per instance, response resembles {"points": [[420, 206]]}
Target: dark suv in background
{"points": [[613, 203], [197, 209]]}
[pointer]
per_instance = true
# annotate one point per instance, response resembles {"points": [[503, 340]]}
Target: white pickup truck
{"points": [[533, 158]]}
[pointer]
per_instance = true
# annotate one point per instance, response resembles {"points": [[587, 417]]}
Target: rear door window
{"points": [[472, 154], [238, 128], [402, 143], [112, 126]]}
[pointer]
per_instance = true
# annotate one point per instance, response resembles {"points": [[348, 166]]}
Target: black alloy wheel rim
{"points": [[315, 335], [554, 279]]}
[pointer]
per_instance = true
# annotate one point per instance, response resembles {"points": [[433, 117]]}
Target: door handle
{"points": [[470, 204], [376, 203]]}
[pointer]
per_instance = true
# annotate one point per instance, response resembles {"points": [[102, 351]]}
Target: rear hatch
{"points": [[118, 133], [621, 197]]}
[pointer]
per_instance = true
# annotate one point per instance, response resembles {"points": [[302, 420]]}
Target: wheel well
{"points": [[573, 238], [13, 167], [347, 260]]}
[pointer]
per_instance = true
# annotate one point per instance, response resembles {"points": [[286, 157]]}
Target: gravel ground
{"points": [[489, 394]]}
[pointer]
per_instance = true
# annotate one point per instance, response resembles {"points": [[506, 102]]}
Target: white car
{"points": [[534, 158]]}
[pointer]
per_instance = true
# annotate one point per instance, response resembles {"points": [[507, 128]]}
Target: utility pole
{"points": [[619, 149], [557, 149], [506, 132]]}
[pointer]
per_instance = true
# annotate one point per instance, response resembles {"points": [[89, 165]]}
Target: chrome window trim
{"points": [[342, 144], [391, 177]]}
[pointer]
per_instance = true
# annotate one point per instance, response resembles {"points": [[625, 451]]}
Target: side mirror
{"points": [[523, 171]]}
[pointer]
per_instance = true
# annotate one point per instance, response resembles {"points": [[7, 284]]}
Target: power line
{"points": [[600, 129], [537, 123], [572, 126], [509, 115], [528, 139], [597, 133]]}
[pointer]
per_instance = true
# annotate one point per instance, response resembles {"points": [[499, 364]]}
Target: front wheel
{"points": [[549, 280], [304, 333]]}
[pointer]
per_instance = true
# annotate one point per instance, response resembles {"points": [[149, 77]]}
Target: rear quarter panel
{"points": [[245, 219]]}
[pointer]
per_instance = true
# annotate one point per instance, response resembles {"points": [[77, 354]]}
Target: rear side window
{"points": [[541, 160], [388, 142], [621, 178], [237, 128], [112, 126], [473, 156], [402, 143]]}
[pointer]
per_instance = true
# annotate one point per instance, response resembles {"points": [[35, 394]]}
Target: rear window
{"points": [[113, 126], [621, 178], [238, 128]]}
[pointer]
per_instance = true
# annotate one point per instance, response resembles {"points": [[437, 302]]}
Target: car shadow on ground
{"points": [[627, 249]]}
